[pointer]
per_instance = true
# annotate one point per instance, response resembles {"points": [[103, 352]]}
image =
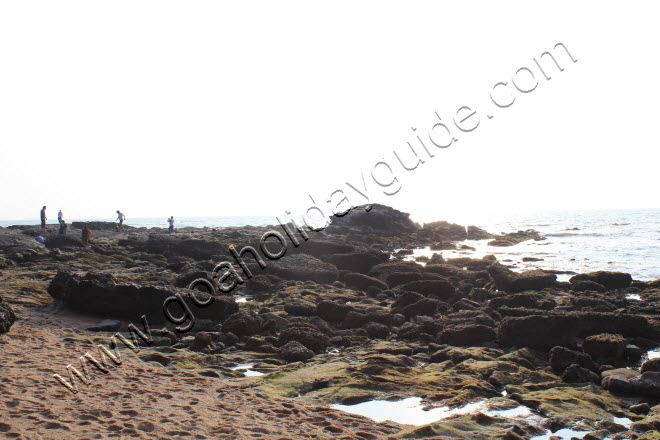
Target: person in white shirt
{"points": [[171, 222], [60, 216], [121, 217]]}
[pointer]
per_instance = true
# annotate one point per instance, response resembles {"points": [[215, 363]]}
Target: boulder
{"points": [[332, 311], [303, 267], [508, 281], [605, 348], [651, 365], [307, 335], [300, 308], [376, 330], [363, 282], [561, 358], [101, 294], [424, 307], [243, 323], [588, 286], [375, 218], [196, 248], [610, 280], [399, 278], [7, 317], [361, 261], [294, 351], [577, 374], [549, 330], [184, 279], [439, 289], [63, 242], [467, 335]]}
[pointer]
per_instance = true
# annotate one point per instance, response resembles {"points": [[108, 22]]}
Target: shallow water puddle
{"points": [[246, 369], [241, 299], [564, 434], [410, 411], [634, 296], [655, 353]]}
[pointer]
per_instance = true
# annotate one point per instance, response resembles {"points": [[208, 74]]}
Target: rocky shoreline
{"points": [[342, 318]]}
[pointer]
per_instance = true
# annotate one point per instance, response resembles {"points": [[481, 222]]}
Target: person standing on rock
{"points": [[171, 222], [121, 217], [86, 235], [43, 218], [60, 217]]}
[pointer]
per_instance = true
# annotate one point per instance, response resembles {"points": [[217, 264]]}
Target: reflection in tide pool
{"points": [[564, 434], [245, 369], [411, 412]]}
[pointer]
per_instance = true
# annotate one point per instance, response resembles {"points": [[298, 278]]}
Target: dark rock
{"points": [[360, 262], [307, 335], [409, 331], [467, 335], [641, 408], [526, 300], [300, 308], [332, 311], [509, 281], [561, 358], [577, 374], [304, 267], [201, 341], [425, 306], [294, 351], [376, 330], [651, 365], [362, 282], [406, 298], [243, 323], [101, 294], [7, 317], [107, 325], [610, 280], [184, 280], [588, 286], [63, 242], [375, 218], [399, 278], [440, 289], [178, 262], [548, 330]]}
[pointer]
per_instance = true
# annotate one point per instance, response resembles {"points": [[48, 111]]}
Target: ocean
{"points": [[577, 241]]}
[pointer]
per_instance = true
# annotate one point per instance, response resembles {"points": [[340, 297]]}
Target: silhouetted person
{"points": [[86, 235], [63, 227], [121, 217], [43, 218], [60, 217], [171, 222]]}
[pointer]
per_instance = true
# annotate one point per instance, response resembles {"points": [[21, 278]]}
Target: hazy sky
{"points": [[201, 108]]}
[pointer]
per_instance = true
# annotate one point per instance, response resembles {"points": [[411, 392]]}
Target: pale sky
{"points": [[203, 108]]}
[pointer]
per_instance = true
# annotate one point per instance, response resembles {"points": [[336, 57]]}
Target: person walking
{"points": [[60, 216], [63, 227], [121, 217], [43, 219], [171, 222], [86, 235]]}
